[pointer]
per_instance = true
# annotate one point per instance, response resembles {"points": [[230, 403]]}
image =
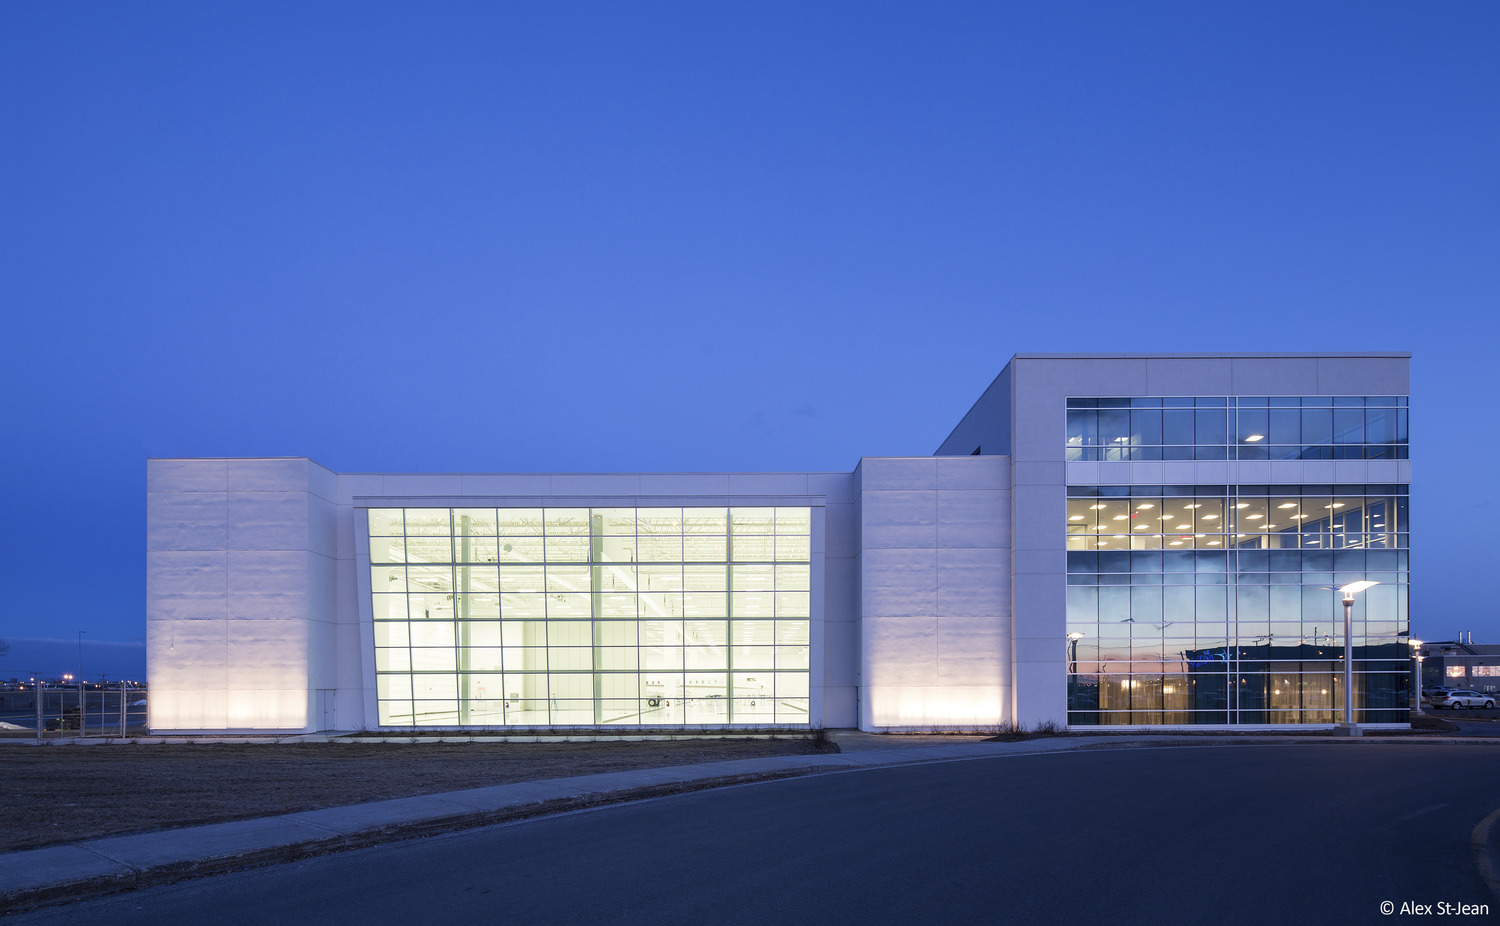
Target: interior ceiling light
{"points": [[1076, 517], [1287, 505], [1167, 517], [1183, 527], [1335, 505], [1210, 517], [1144, 507], [1253, 517], [1250, 439], [1122, 517], [1095, 507], [1192, 506], [1140, 527], [1243, 505], [1213, 543], [1176, 543]]}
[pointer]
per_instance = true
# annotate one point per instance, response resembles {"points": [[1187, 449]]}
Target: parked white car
{"points": [[1461, 698]]}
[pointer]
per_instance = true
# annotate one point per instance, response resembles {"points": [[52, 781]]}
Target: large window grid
{"points": [[1235, 634], [587, 616], [1308, 517], [1238, 428]]}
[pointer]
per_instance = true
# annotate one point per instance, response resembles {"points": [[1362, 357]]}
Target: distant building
{"points": [[1103, 541], [1455, 664]]}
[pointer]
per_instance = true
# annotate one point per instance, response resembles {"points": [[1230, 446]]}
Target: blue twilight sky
{"points": [[703, 236]]}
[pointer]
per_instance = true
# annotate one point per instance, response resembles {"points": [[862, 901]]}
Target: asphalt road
{"points": [[1201, 834]]}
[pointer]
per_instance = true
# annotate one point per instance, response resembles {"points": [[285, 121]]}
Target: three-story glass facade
{"points": [[1218, 604]]}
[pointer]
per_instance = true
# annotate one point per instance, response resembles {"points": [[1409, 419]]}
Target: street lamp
{"points": [[1349, 727], [1416, 682]]}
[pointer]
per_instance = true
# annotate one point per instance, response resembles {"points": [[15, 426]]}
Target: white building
{"points": [[1123, 540]]}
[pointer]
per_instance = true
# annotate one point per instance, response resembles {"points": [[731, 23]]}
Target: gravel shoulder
{"points": [[62, 794]]}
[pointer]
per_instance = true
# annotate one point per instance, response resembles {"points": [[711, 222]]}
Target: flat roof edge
{"points": [[1251, 355]]}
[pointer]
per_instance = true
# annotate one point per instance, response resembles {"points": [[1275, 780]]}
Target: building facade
{"points": [[1102, 542]]}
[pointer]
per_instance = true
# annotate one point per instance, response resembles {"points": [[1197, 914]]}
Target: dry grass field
{"points": [[65, 793]]}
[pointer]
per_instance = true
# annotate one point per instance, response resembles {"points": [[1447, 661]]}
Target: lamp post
{"points": [[1416, 681], [1349, 727], [82, 713], [1073, 639]]}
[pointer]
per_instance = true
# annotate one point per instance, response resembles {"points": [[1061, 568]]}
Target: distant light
{"points": [[1254, 437]]}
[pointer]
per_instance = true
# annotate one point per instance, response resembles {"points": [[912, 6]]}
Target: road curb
{"points": [[130, 877]]}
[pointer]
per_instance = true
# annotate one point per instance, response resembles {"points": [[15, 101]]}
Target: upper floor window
{"points": [[1238, 428]]}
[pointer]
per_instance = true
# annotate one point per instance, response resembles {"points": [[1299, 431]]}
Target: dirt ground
{"points": [[61, 794]]}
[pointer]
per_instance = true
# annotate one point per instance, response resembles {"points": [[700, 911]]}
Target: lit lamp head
{"points": [[1354, 588], [1075, 635]]}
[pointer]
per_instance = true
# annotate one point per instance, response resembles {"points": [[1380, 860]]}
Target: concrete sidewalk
{"points": [[68, 872]]}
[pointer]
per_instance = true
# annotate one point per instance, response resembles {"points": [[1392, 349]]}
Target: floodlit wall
{"points": [[933, 562], [240, 593]]}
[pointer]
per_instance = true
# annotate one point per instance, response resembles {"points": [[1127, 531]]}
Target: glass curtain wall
{"points": [[1238, 428], [591, 616], [1218, 604]]}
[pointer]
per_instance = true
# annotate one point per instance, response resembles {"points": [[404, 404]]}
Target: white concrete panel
{"points": [[267, 655], [1403, 471], [418, 485], [187, 520], [188, 609], [1083, 473], [322, 526], [1188, 376], [268, 475], [898, 519], [841, 578], [1040, 604], [841, 531], [267, 710], [322, 482], [973, 518], [971, 651], [322, 588], [898, 651], [1364, 376], [1043, 649], [982, 472], [187, 710], [497, 484], [1041, 693], [1350, 471], [1040, 513], [187, 655], [916, 708], [885, 474], [349, 662], [268, 521], [898, 582], [267, 585], [685, 484], [187, 476], [184, 574], [840, 708], [836, 488], [346, 519], [322, 652], [768, 484], [1275, 376], [1211, 473], [840, 652], [1114, 472], [1036, 473], [1053, 561], [1179, 472], [359, 484], [1384, 471], [973, 584]]}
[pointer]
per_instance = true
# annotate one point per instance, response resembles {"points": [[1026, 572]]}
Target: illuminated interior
{"points": [[591, 616]]}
